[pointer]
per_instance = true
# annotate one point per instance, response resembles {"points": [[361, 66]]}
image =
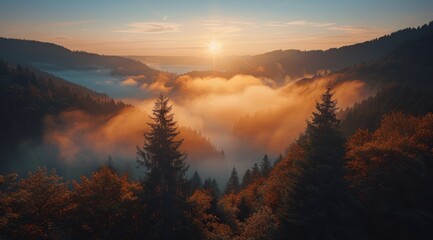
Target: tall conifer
{"points": [[164, 180]]}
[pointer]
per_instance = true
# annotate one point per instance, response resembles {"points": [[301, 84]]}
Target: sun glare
{"points": [[214, 47]]}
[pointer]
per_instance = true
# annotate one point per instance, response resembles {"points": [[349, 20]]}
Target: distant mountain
{"points": [[296, 64], [51, 55], [174, 60]]}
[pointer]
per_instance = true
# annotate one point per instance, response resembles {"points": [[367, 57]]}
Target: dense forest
{"points": [[362, 172], [404, 77], [373, 185]]}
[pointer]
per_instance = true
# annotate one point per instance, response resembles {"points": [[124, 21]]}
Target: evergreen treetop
{"points": [[233, 182], [317, 195], [164, 168], [265, 166]]}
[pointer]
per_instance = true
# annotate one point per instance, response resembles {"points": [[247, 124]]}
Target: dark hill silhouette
{"points": [[41, 53], [296, 63]]}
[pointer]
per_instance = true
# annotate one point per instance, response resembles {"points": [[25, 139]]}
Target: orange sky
{"points": [[185, 28]]}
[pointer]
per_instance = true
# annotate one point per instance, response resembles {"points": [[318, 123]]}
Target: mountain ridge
{"points": [[296, 63]]}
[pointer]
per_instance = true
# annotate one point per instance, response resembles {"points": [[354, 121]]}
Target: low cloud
{"points": [[78, 135], [247, 116], [129, 82], [243, 115], [160, 84]]}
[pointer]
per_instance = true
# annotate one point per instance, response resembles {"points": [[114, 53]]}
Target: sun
{"points": [[214, 47]]}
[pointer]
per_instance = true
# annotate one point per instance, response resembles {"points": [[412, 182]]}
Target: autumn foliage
{"points": [[377, 185]]}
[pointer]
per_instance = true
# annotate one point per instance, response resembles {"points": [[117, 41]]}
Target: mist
{"points": [[225, 122], [247, 116]]}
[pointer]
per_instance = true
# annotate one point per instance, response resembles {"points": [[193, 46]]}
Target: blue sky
{"points": [[187, 27]]}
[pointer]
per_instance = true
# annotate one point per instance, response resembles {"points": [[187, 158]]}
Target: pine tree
{"points": [[255, 172], [207, 185], [110, 164], [244, 209], [317, 203], [215, 187], [211, 187], [233, 183], [247, 178], [195, 182], [164, 180], [265, 166]]}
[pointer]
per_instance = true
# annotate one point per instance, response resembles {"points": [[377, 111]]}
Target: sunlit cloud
{"points": [[129, 82], [158, 85], [150, 27], [230, 113]]}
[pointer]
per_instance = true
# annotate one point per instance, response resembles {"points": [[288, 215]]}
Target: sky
{"points": [[186, 28]]}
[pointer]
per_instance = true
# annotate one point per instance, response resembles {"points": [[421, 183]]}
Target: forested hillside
{"points": [[406, 80], [27, 96], [373, 185], [297, 64], [330, 144], [54, 56]]}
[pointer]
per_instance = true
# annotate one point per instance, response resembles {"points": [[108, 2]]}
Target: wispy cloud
{"points": [[355, 29], [300, 23], [224, 29], [210, 22], [150, 27], [61, 38], [276, 24], [224, 26], [241, 22], [307, 23], [348, 29], [69, 23]]}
